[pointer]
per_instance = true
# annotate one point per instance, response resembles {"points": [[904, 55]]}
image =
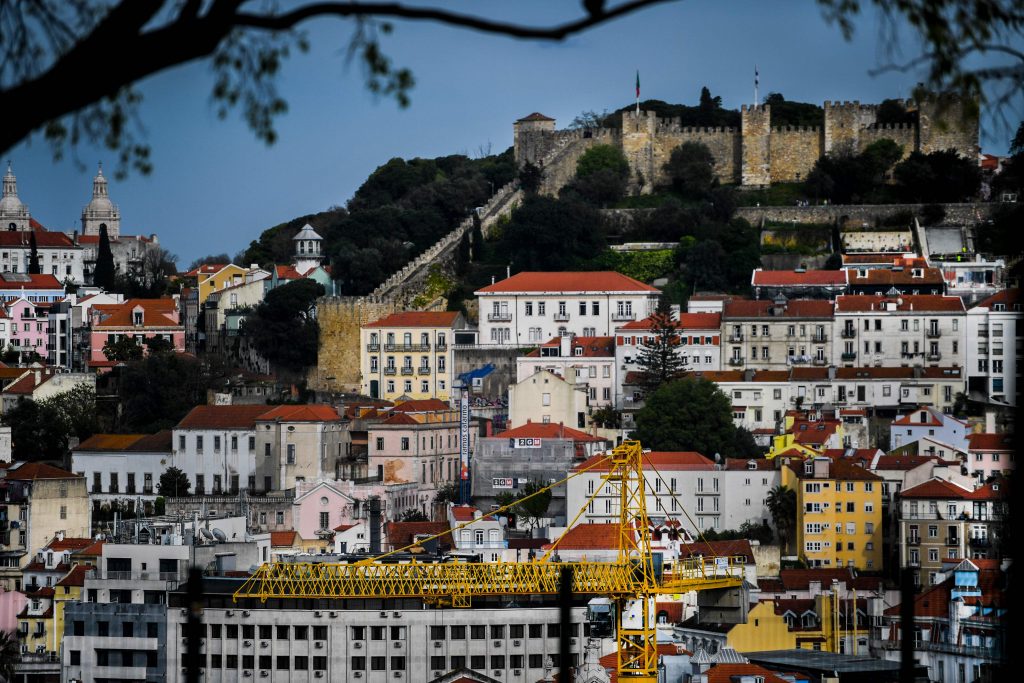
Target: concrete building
{"points": [[38, 502], [409, 355], [549, 398], [994, 349], [591, 360], [215, 446], [941, 520], [529, 308], [477, 534], [904, 276], [298, 443], [59, 256], [777, 334], [120, 466], [38, 383], [904, 330], [29, 328], [929, 422]]}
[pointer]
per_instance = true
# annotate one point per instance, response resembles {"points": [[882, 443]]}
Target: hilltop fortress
{"points": [[754, 155]]}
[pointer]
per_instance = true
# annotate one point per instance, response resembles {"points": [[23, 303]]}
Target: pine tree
{"points": [[33, 255], [659, 360], [103, 276]]}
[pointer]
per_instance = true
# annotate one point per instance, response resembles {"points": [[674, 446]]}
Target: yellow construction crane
{"points": [[630, 580]]}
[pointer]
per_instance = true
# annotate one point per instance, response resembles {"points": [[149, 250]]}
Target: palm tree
{"points": [[781, 503], [10, 653]]}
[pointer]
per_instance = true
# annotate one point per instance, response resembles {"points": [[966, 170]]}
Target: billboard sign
{"points": [[524, 442]]}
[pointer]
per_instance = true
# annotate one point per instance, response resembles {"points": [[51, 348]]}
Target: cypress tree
{"points": [[659, 359], [103, 275], [33, 255]]}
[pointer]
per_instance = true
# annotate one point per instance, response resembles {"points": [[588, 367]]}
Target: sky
{"points": [[215, 187]]}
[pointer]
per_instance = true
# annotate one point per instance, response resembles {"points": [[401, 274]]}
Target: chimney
{"points": [[374, 524], [39, 376], [990, 421], [565, 345], [60, 535]]}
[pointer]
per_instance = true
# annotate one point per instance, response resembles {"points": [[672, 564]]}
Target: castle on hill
{"points": [[754, 155]]}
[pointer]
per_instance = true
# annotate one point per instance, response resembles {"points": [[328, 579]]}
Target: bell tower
{"points": [[13, 214], [101, 211]]}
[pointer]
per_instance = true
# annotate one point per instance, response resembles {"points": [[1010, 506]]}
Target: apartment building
{"points": [[296, 443], [118, 466], [904, 276], [138, 319], [995, 344], [990, 455], [530, 308], [549, 398], [927, 422], [798, 284], [589, 360], [776, 334], [904, 330], [215, 446], [942, 520], [409, 354], [839, 513]]}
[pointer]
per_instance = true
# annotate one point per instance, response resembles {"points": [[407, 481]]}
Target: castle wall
{"points": [[843, 124], [949, 125], [756, 145], [793, 150], [904, 135], [340, 318]]}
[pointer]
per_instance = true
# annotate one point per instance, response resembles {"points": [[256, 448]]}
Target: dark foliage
{"points": [[788, 113], [691, 169], [104, 274], [33, 254], [938, 177], [551, 234], [847, 178], [283, 328], [687, 415]]}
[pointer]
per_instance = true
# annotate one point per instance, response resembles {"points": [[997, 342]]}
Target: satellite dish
{"points": [[220, 535], [205, 533]]}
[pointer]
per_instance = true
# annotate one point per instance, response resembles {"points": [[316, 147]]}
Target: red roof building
{"points": [[600, 282]]}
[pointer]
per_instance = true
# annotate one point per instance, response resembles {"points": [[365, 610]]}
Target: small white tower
{"points": [[101, 211], [13, 214], [308, 254]]}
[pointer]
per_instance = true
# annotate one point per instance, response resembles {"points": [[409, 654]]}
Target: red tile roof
{"points": [[401, 534], [316, 412], [69, 544], [417, 319], [425, 405], [1008, 297], [732, 464], [44, 238], [842, 471], [937, 488], [933, 418], [660, 460], [9, 281], [990, 442], [76, 577], [600, 281], [283, 539], [159, 442], [859, 303], [795, 308], [735, 548], [686, 321], [95, 550], [807, 278], [37, 470], [464, 513], [589, 537], [541, 430], [800, 579], [223, 417], [730, 673], [881, 257], [535, 116], [903, 462], [155, 313], [400, 419], [590, 347]]}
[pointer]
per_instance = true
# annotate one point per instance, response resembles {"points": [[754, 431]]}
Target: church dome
{"points": [[100, 204], [10, 204]]}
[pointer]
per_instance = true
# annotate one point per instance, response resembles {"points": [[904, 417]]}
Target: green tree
{"points": [[462, 255], [157, 391], [104, 274], [34, 436], [159, 345], [173, 483], [707, 267], [123, 349], [689, 414], [938, 177], [602, 174], [283, 328], [659, 361], [533, 509], [209, 260], [602, 158], [607, 418], [781, 503], [551, 234], [74, 411], [449, 493], [33, 254], [530, 178], [412, 515], [691, 169]]}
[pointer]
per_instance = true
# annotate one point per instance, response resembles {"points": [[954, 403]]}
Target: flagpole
{"points": [[756, 100], [638, 93]]}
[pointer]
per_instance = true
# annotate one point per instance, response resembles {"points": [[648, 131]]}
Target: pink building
{"points": [[141, 319], [989, 454], [29, 326]]}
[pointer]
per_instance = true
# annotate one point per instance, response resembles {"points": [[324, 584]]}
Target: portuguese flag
{"points": [[638, 84]]}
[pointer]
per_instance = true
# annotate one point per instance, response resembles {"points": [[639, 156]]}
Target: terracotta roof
{"points": [[936, 488], [850, 303], [842, 471], [732, 464], [316, 412], [934, 602], [425, 405], [207, 269], [1007, 297], [44, 238], [344, 527], [599, 281], [590, 347], [990, 442], [69, 544], [686, 321], [223, 417], [463, 513], [95, 550], [76, 577], [159, 442], [401, 534], [417, 319], [589, 537], [800, 579], [903, 462], [660, 460], [549, 430], [400, 419], [933, 418], [37, 470], [884, 277], [861, 258], [795, 308], [798, 373], [807, 278], [536, 116], [155, 313], [287, 273], [27, 383], [283, 539]]}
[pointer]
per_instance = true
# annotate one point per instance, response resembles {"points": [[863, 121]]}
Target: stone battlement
{"points": [[796, 129]]}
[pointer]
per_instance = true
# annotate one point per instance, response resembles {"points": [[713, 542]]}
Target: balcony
{"points": [[819, 338], [373, 348], [736, 337], [735, 361], [441, 347], [505, 317], [849, 356], [935, 356], [848, 333], [389, 348], [423, 370], [390, 370], [933, 333], [561, 317], [407, 370], [624, 316], [820, 361], [980, 542]]}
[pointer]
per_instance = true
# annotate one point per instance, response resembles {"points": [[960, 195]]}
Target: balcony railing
{"points": [[848, 333], [849, 356], [935, 356], [406, 347], [390, 370], [407, 371], [819, 361], [736, 337], [441, 347], [932, 333], [561, 317], [819, 338], [502, 317], [980, 542], [735, 361], [423, 370], [624, 316], [373, 348]]}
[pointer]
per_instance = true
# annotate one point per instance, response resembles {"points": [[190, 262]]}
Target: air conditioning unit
{"points": [[397, 674], [396, 615], [437, 644], [383, 615], [497, 643], [517, 643], [357, 645], [572, 641], [319, 674], [517, 672], [397, 645], [319, 645], [247, 643], [318, 614], [247, 673], [334, 615], [245, 613], [264, 673], [357, 674], [229, 613]]}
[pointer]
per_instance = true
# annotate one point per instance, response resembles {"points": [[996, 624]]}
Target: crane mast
{"points": [[631, 580]]}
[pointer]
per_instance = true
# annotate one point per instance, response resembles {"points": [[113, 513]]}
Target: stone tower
{"points": [[948, 123], [308, 254], [13, 214], [533, 137], [756, 128], [844, 122], [101, 211]]}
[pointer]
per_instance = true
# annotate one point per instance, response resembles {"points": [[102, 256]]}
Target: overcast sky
{"points": [[215, 187]]}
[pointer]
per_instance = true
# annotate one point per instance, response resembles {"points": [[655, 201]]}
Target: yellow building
{"points": [[409, 354], [214, 277], [825, 622], [805, 436], [838, 513]]}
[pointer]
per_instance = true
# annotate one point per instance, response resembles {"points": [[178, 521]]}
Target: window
{"points": [[378, 663], [477, 632], [199, 444]]}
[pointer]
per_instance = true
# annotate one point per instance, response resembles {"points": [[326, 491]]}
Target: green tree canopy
{"points": [[33, 254], [659, 361], [123, 349], [104, 274], [691, 169], [158, 390], [848, 178], [781, 503], [942, 176], [283, 328], [602, 158], [173, 483], [551, 234], [690, 414], [45, 429]]}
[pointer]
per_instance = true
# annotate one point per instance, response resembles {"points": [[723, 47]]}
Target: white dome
{"points": [[10, 205]]}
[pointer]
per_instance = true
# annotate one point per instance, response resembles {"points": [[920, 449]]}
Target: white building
{"points": [[549, 398], [483, 535], [994, 329], [591, 360], [530, 308], [932, 423], [215, 446], [904, 330], [120, 466], [298, 443]]}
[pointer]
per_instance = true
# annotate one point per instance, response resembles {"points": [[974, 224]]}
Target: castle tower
{"points": [[532, 138], [755, 155], [638, 136], [308, 254], [101, 211], [946, 122], [13, 213]]}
